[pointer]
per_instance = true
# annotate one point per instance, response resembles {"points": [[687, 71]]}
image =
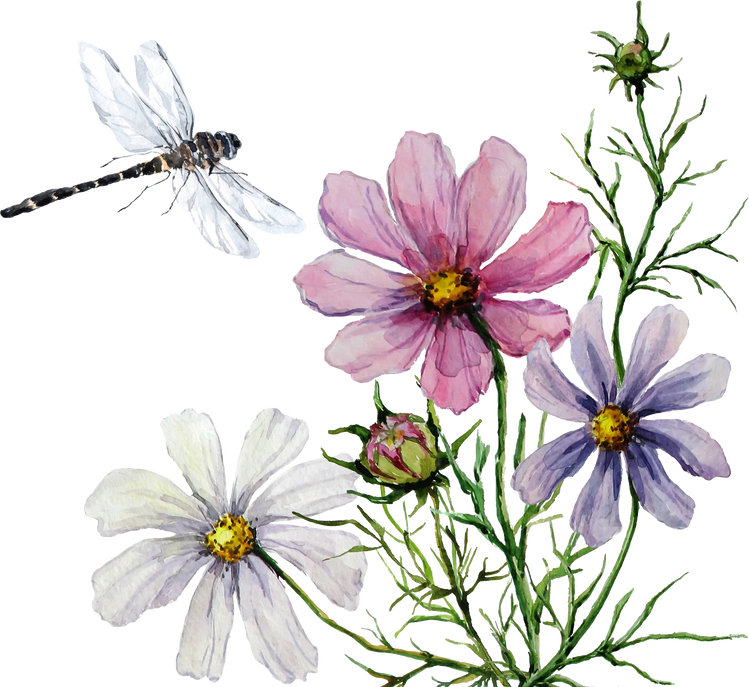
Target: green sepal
{"points": [[642, 35], [392, 497], [615, 81], [354, 466], [355, 428], [382, 411], [657, 53], [422, 496], [432, 421], [609, 37]]}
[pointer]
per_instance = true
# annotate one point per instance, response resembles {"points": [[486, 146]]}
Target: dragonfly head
{"points": [[234, 141], [230, 142]]}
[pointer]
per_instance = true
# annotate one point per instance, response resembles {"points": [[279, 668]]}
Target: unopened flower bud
{"points": [[633, 61], [400, 450]]}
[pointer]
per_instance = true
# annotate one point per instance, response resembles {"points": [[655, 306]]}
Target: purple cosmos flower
{"points": [[445, 228], [615, 422]]}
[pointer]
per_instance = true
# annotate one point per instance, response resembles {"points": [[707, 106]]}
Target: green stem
{"points": [[615, 340], [630, 275], [562, 657], [456, 587], [646, 134], [515, 554], [426, 657]]}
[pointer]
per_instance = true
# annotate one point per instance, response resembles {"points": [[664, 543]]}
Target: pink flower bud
{"points": [[400, 450]]}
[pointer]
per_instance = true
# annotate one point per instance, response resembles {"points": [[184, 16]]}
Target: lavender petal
{"points": [[596, 512]]}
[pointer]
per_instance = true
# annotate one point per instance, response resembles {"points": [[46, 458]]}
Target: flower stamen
{"points": [[232, 538], [450, 291], [612, 428]]}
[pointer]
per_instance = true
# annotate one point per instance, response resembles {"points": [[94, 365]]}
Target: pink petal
{"points": [[422, 184], [517, 325], [355, 213], [381, 344], [491, 198], [457, 368], [340, 284], [549, 253]]}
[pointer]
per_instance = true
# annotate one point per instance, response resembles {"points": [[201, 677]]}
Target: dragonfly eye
{"points": [[230, 144]]}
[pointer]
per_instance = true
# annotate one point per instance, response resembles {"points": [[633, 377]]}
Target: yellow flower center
{"points": [[450, 290], [231, 539], [612, 428]]}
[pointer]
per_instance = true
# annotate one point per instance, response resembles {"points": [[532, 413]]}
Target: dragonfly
{"points": [[159, 121]]}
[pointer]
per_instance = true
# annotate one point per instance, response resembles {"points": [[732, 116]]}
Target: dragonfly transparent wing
{"points": [[136, 124], [251, 204], [162, 88], [216, 225]]}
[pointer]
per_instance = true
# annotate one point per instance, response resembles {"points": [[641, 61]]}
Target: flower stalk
{"points": [[515, 554]]}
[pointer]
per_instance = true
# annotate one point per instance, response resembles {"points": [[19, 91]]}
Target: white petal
{"points": [[310, 488], [695, 450], [317, 553], [549, 390], [149, 574], [202, 648], [193, 444], [700, 380], [590, 353], [273, 441], [129, 499], [657, 339], [275, 635]]}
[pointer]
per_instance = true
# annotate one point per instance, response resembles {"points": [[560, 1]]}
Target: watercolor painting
{"points": [[161, 119], [448, 434]]}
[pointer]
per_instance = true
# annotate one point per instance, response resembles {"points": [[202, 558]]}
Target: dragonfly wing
{"points": [[135, 124], [216, 225], [251, 204], [161, 86]]}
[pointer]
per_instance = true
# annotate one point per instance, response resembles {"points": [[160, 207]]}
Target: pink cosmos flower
{"points": [[445, 229]]}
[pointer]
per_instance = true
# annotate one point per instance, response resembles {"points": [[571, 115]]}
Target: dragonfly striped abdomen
{"points": [[203, 152]]}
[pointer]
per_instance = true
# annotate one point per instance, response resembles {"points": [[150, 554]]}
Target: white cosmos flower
{"points": [[223, 535]]}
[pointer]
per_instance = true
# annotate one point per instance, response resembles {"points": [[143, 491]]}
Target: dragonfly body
{"points": [[203, 152], [160, 120]]}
